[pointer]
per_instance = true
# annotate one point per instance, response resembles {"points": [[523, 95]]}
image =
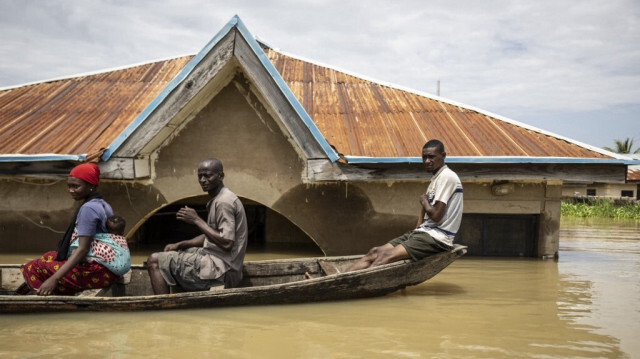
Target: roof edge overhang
{"points": [[43, 157], [472, 169], [495, 160], [38, 166]]}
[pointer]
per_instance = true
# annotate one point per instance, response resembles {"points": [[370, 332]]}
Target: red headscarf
{"points": [[88, 172]]}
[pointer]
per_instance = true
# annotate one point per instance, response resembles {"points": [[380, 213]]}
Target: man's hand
{"points": [[424, 200], [171, 247], [188, 215], [435, 211]]}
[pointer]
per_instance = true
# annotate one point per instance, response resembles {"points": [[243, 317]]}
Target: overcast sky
{"points": [[568, 67]]}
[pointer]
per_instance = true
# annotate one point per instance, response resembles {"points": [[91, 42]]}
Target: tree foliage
{"points": [[625, 146]]}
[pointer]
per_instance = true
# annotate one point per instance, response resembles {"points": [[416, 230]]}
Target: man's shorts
{"points": [[419, 244], [183, 268]]}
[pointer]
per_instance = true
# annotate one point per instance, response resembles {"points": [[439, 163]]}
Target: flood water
{"points": [[585, 305]]}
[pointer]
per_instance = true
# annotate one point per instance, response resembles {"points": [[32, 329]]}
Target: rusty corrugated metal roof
{"points": [[633, 175], [359, 117], [79, 115], [366, 118]]}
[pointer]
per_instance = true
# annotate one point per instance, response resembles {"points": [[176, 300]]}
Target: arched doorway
{"points": [[269, 231]]}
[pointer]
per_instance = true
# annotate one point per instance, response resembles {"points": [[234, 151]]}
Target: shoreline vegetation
{"points": [[600, 208]]}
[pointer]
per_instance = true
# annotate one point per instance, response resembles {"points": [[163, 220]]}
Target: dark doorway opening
{"points": [[499, 235]]}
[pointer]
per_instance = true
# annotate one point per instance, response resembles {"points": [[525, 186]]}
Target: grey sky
{"points": [[569, 67]]}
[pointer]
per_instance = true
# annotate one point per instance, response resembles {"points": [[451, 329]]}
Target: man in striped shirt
{"points": [[439, 219]]}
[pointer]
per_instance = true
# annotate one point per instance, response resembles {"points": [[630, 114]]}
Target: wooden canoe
{"points": [[265, 282]]}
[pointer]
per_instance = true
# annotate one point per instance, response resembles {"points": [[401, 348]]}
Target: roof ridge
{"points": [[95, 72]]}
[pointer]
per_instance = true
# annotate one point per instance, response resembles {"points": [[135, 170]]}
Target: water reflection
{"points": [[583, 306], [602, 261]]}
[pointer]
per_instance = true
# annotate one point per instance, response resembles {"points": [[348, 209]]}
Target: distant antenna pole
{"points": [[438, 88]]}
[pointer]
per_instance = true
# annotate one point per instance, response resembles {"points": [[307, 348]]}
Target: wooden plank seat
{"points": [[114, 290], [328, 268]]}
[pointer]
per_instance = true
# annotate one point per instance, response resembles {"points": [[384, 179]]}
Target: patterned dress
{"points": [[86, 275]]}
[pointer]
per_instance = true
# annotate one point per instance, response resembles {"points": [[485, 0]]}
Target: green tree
{"points": [[625, 146]]}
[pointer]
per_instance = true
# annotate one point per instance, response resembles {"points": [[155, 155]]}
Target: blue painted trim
{"points": [[496, 160], [237, 23], [41, 158], [359, 159], [167, 90], [286, 91]]}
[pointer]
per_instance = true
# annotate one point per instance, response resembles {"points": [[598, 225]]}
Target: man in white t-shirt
{"points": [[439, 219]]}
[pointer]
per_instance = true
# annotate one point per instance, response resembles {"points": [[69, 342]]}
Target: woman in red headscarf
{"points": [[69, 269]]}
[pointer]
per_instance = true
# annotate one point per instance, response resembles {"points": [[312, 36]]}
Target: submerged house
{"points": [[633, 176], [318, 156], [613, 191]]}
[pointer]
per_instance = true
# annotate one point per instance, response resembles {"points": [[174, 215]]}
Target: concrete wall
{"points": [[35, 213], [262, 165], [574, 190]]}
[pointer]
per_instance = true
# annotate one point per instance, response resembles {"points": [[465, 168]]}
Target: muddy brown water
{"points": [[585, 305]]}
